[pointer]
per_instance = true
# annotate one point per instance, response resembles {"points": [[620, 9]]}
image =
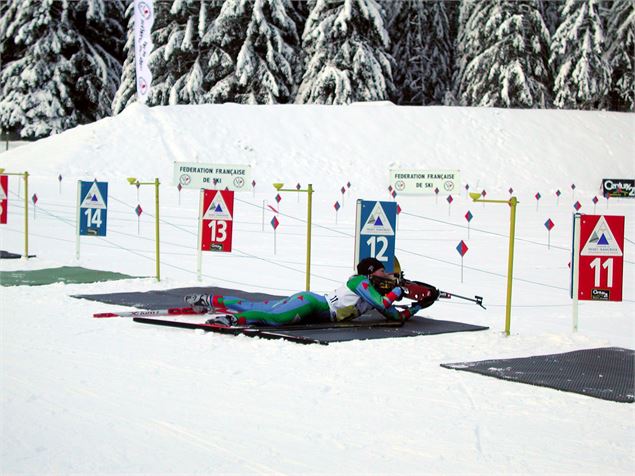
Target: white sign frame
{"points": [[196, 175], [425, 181]]}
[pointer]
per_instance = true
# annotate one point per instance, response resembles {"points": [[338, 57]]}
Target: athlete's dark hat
{"points": [[369, 266]]}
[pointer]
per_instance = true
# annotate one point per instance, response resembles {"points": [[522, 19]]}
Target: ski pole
{"points": [[477, 299]]}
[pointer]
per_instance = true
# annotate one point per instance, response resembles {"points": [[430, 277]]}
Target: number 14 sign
{"points": [[601, 257], [217, 211]]}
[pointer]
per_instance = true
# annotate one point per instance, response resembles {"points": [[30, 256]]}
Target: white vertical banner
{"points": [[143, 20]]}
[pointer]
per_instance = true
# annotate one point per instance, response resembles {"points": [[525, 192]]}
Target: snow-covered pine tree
{"points": [[222, 42], [581, 71], [551, 14], [253, 52], [346, 45], [509, 45], [60, 68], [621, 33], [267, 60], [100, 24], [421, 47], [175, 62]]}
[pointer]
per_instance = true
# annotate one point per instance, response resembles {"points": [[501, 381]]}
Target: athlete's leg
{"points": [[293, 309]]}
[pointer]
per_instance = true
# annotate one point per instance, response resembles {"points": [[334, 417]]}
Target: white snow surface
{"points": [[109, 396]]}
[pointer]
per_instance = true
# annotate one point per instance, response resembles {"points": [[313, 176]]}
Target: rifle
{"points": [[419, 291]]}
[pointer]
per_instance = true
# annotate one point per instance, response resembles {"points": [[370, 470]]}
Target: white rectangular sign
{"points": [[213, 176], [419, 182]]}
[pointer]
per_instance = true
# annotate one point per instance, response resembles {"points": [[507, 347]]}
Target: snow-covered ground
{"points": [[88, 396]]}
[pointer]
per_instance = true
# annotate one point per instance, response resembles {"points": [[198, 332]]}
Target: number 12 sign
{"points": [[217, 211], [601, 259]]}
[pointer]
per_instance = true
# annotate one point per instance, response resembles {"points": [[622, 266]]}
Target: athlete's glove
{"points": [[419, 291]]}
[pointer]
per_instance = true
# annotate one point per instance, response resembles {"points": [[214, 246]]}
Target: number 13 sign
{"points": [[601, 258], [217, 211]]}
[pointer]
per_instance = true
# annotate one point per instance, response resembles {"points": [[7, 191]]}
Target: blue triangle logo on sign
{"points": [[218, 208], [378, 222], [94, 199], [603, 240]]}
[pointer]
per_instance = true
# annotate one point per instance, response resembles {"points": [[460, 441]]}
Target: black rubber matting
{"points": [[174, 298], [605, 373]]}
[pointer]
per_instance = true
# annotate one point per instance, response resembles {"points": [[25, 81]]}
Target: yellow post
{"points": [[510, 263], [156, 207], [512, 202], [156, 183], [25, 177], [309, 191], [26, 215], [308, 237]]}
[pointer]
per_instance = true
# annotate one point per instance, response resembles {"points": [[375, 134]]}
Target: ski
{"points": [[291, 327], [265, 333], [171, 311]]}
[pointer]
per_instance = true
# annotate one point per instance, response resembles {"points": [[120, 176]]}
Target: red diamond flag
{"points": [[138, 210], [398, 209], [483, 193], [59, 177], [436, 190], [278, 198], [469, 216], [558, 193], [348, 185], [538, 196], [511, 190], [572, 186], [450, 199], [253, 183], [462, 248], [337, 206], [343, 190], [577, 206], [394, 194], [595, 200], [274, 223], [390, 188], [298, 186], [549, 224], [179, 187], [467, 186], [34, 198]]}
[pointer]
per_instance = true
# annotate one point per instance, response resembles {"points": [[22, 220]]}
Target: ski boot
{"points": [[199, 302]]}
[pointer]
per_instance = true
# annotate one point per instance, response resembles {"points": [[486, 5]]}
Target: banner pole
{"points": [[78, 217], [575, 271], [199, 252]]}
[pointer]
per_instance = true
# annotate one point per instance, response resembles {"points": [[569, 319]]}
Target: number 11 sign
{"points": [[598, 258], [601, 258]]}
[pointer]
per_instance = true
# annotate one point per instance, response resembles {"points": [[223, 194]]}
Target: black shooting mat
{"points": [[169, 298], [63, 274], [174, 298], [8, 255], [605, 373]]}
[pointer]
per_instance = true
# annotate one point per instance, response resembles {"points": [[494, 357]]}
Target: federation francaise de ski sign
{"points": [[213, 176], [409, 181]]}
